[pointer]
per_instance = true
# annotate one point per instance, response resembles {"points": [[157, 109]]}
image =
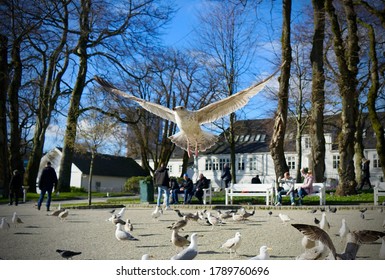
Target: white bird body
{"points": [[324, 224], [344, 230], [179, 241], [63, 215], [190, 252], [122, 235], [284, 218], [121, 212], [263, 253], [233, 243], [307, 243], [16, 219], [128, 226], [191, 137], [157, 212], [4, 224]]}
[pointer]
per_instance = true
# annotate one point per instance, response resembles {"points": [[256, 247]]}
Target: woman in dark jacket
{"points": [[162, 181], [15, 187]]}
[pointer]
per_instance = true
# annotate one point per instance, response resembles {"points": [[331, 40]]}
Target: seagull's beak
{"points": [[269, 249]]}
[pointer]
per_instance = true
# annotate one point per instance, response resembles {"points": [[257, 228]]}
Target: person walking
{"points": [[47, 181], [15, 187], [226, 175], [162, 180]]}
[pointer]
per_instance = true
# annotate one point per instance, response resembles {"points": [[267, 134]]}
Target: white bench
{"points": [[379, 190], [319, 189], [266, 190]]}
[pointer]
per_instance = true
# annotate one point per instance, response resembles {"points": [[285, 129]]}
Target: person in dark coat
{"points": [[226, 175], [256, 180], [15, 187], [162, 181], [200, 185], [47, 181]]}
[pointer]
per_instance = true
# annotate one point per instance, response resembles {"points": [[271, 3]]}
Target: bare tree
{"points": [[4, 172], [104, 29], [318, 92], [228, 43], [347, 56], [278, 137]]}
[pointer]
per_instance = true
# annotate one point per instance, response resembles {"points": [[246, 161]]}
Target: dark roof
{"points": [[254, 136], [108, 165]]}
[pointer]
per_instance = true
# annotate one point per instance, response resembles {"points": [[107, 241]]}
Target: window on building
{"points": [[169, 168], [241, 164], [253, 163], [376, 161], [222, 162], [263, 137], [241, 138], [336, 161], [180, 169], [307, 142], [291, 162], [215, 164], [257, 137], [247, 138], [208, 164]]}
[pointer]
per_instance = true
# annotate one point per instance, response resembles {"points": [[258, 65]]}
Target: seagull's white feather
{"points": [[263, 254], [233, 243], [190, 252]]}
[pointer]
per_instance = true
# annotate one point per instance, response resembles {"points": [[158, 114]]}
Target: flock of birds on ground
{"points": [[316, 241]]}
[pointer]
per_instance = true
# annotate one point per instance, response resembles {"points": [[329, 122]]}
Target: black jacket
{"points": [[48, 178], [16, 182], [161, 177]]}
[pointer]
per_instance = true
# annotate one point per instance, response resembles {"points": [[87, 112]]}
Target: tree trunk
{"points": [[73, 113], [4, 166], [372, 97], [347, 60], [90, 177], [318, 93], [278, 137], [16, 160]]}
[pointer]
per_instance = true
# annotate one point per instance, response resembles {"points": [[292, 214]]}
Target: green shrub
{"points": [[132, 184], [78, 190]]}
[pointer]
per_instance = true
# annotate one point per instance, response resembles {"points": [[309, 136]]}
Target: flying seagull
{"points": [[353, 242], [191, 137]]}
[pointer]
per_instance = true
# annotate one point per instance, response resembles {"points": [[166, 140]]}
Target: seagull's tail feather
{"points": [[201, 142]]}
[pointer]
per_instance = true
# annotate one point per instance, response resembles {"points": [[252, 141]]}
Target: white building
{"points": [[253, 154], [109, 172]]}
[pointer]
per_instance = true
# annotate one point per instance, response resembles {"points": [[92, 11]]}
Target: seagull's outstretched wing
{"points": [[231, 103], [154, 108], [315, 233]]}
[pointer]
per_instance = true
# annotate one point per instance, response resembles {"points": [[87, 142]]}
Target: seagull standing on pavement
{"points": [[344, 230], [191, 137], [233, 243], [263, 254], [122, 235], [4, 224], [16, 219], [157, 212], [190, 252]]}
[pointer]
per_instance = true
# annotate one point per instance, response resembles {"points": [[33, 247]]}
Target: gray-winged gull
{"points": [[179, 224], [263, 253], [353, 239], [157, 212], [178, 240], [344, 230], [233, 244], [324, 223], [67, 254], [4, 224], [128, 226], [190, 252], [123, 235], [16, 219], [191, 137], [63, 215]]}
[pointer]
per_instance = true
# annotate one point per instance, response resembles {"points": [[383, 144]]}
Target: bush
{"points": [[78, 190], [132, 184]]}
